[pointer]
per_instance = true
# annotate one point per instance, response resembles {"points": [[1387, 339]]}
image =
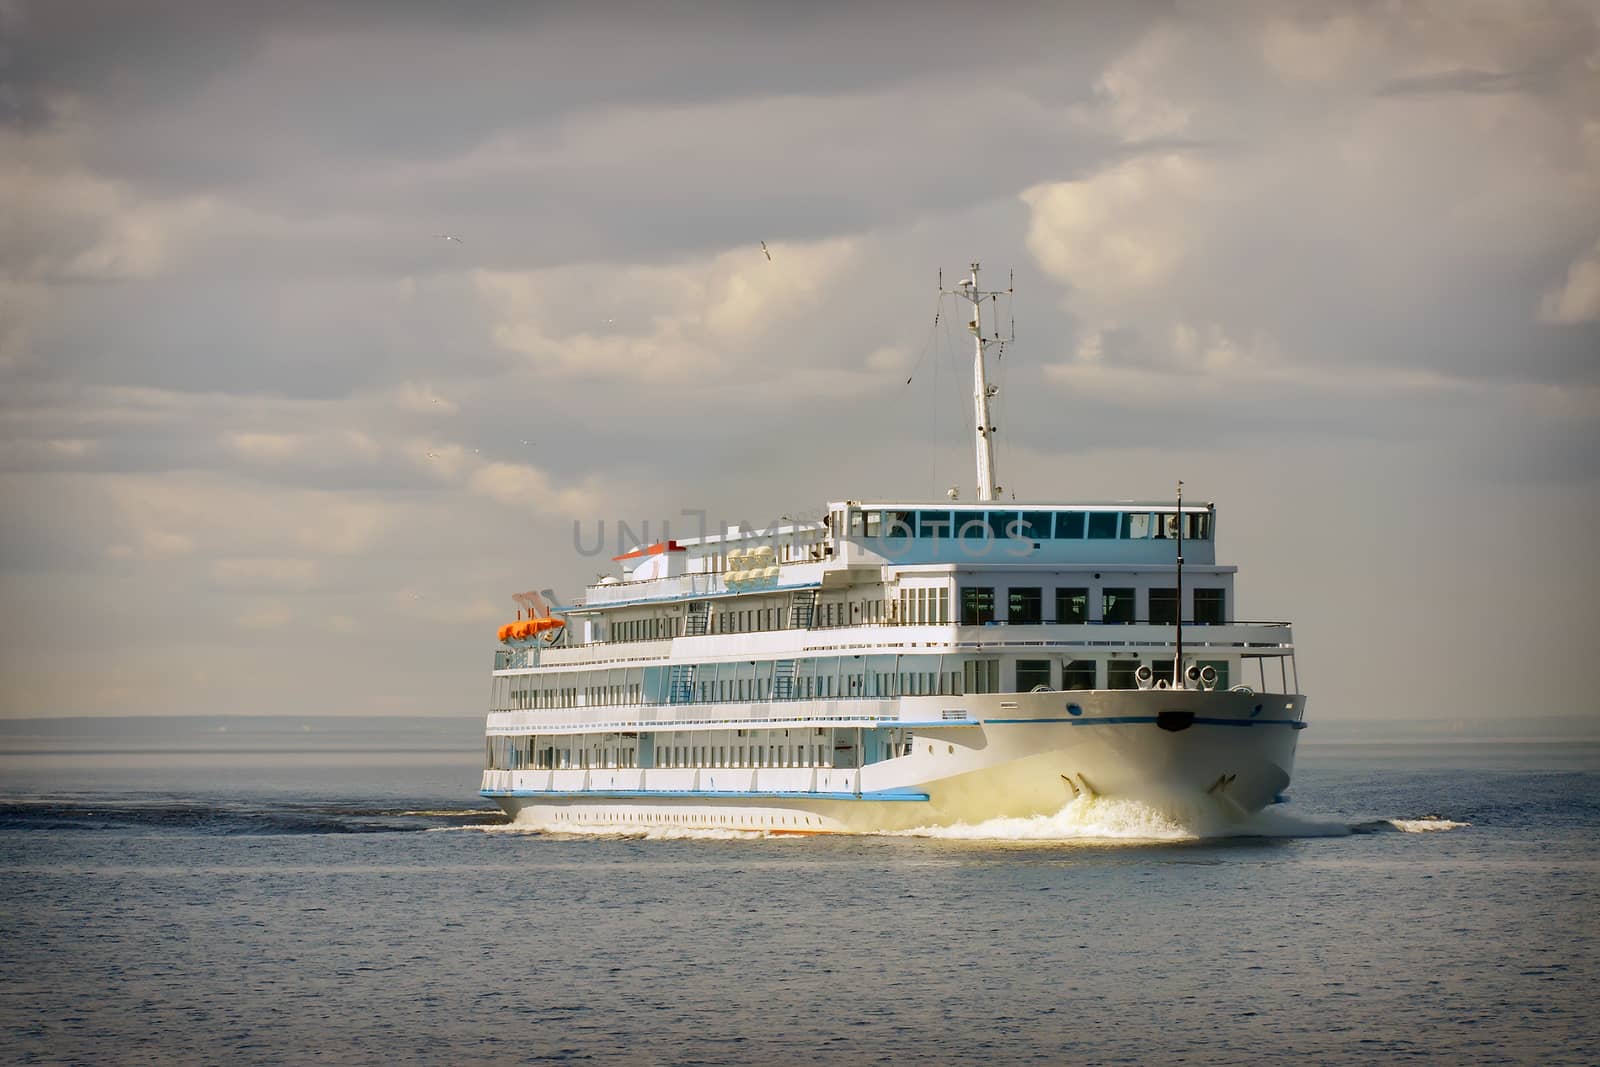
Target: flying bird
{"points": [[764, 250], [448, 237]]}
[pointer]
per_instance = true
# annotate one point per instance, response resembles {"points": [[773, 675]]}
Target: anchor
{"points": [[1081, 787]]}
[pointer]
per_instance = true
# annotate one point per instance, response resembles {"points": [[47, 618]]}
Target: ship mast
{"points": [[982, 391]]}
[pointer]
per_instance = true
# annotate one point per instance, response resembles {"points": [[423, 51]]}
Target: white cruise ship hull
{"points": [[1009, 755]]}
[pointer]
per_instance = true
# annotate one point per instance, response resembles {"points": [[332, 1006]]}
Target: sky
{"points": [[269, 444]]}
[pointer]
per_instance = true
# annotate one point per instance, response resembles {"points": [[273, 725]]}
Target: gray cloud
{"points": [[1336, 270]]}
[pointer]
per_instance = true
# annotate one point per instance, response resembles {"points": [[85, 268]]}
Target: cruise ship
{"points": [[898, 664]]}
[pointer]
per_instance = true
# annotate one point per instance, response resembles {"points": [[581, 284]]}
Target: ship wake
{"points": [[1109, 819]]}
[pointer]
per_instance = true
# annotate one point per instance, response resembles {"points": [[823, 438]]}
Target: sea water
{"points": [[303, 890]]}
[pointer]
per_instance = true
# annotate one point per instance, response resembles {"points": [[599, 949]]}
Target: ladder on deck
{"points": [[680, 684], [695, 623], [783, 679], [802, 608]]}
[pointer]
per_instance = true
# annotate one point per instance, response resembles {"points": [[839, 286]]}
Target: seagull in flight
{"points": [[448, 237], [764, 250]]}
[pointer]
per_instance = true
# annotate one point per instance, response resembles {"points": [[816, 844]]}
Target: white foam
{"points": [[1086, 819], [1109, 819], [1426, 826]]}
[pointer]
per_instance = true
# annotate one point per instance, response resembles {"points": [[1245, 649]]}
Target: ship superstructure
{"points": [[897, 664]]}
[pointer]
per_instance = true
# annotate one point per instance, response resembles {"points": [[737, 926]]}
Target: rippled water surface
{"points": [[310, 891]]}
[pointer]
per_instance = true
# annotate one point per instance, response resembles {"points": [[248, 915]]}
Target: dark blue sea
{"points": [[318, 890]]}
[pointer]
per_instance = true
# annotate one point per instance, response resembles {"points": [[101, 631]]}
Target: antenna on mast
{"points": [[982, 391], [1177, 663]]}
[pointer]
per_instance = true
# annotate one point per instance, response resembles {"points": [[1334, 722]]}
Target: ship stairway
{"points": [[802, 608], [695, 625], [680, 683], [783, 679]]}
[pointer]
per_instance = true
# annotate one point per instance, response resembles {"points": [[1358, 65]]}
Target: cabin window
{"points": [[982, 675], [1069, 525], [1210, 606], [1164, 606], [1077, 674], [1103, 525], [1119, 674], [1025, 606], [1116, 606], [977, 605], [1072, 606], [1032, 673]]}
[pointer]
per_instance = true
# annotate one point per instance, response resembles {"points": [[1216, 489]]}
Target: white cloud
{"points": [[324, 448], [528, 487], [265, 615], [660, 323], [1124, 229], [1578, 300], [422, 399], [258, 572]]}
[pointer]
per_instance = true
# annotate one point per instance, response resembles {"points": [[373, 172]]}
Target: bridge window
{"points": [[1025, 606], [1069, 525], [1117, 606], [1197, 526], [1164, 606], [933, 525], [1032, 673], [1072, 606], [898, 524], [1078, 674], [974, 528], [1135, 525], [977, 605], [1210, 606], [1103, 525], [1036, 526]]}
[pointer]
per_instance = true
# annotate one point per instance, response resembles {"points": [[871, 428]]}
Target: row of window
{"points": [[651, 629], [1025, 606], [815, 678], [974, 527], [793, 747], [818, 678]]}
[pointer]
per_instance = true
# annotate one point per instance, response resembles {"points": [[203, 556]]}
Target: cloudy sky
{"points": [[269, 445]]}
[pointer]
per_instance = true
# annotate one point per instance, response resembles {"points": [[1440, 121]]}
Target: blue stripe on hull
{"points": [[1132, 720]]}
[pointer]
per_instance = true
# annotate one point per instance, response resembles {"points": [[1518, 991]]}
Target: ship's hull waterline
{"points": [[1023, 755]]}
